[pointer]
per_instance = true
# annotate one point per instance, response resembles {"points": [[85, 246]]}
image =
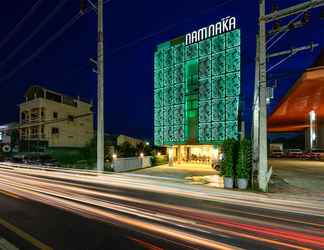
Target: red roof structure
{"points": [[306, 95]]}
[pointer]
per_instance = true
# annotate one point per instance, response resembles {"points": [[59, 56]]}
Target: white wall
{"points": [[126, 164]]}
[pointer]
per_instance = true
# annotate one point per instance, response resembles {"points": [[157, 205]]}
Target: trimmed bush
{"points": [[229, 160], [244, 163]]}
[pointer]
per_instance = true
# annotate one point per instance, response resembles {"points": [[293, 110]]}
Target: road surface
{"points": [[84, 210]]}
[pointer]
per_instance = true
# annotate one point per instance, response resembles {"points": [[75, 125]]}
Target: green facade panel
{"points": [[218, 131], [205, 132], [205, 111], [178, 76], [218, 86], [179, 94], [191, 52], [197, 90], [205, 89], [204, 48], [158, 98], [218, 110]]}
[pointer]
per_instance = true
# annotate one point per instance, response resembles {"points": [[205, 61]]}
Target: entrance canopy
{"points": [[305, 96]]}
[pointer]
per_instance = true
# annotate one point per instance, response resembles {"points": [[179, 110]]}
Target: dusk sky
{"points": [[132, 31]]}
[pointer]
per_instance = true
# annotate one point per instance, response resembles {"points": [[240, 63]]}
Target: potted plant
{"points": [[228, 163], [244, 164]]}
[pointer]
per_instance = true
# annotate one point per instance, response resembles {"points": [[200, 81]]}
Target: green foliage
{"points": [[159, 160], [126, 150], [244, 163], [228, 163]]}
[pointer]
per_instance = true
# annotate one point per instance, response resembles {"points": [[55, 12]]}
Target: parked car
{"points": [[311, 156], [277, 153], [294, 153]]}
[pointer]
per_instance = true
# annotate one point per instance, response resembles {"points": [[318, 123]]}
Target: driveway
{"points": [[178, 172], [302, 177]]}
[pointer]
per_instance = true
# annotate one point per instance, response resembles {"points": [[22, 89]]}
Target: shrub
{"points": [[244, 163], [229, 160]]}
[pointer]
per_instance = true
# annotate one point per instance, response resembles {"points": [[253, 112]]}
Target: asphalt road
{"points": [[55, 210]]}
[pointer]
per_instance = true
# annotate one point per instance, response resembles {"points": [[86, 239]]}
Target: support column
{"points": [[171, 156]]}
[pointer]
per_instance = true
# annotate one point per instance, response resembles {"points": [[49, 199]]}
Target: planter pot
{"points": [[228, 182], [242, 183]]}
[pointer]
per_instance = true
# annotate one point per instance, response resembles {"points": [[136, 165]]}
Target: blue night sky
{"points": [[132, 31]]}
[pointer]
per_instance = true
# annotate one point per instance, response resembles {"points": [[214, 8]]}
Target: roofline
{"points": [[55, 92]]}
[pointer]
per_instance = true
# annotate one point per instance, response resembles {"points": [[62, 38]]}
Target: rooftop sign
{"points": [[226, 24]]}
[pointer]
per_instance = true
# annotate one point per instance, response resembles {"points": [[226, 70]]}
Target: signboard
{"points": [[225, 25]]}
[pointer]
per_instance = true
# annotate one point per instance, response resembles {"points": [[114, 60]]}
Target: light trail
{"points": [[110, 198]]}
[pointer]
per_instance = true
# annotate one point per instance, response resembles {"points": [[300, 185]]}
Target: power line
{"points": [[20, 23], [32, 34], [167, 28], [47, 43], [42, 48]]}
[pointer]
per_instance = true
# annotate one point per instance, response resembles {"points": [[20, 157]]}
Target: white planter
{"points": [[228, 182], [242, 183]]}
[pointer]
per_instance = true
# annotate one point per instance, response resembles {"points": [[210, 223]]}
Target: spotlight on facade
{"points": [[312, 115], [312, 125]]}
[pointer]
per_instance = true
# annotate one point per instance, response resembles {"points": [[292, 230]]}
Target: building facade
{"points": [[197, 95], [301, 110], [54, 119]]}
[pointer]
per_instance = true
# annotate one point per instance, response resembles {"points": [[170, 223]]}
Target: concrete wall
{"points": [[126, 164]]}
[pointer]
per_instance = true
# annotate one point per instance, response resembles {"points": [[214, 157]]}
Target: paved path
{"points": [[301, 178], [178, 172]]}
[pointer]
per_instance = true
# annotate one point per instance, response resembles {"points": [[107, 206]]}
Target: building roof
{"points": [[39, 91], [306, 95]]}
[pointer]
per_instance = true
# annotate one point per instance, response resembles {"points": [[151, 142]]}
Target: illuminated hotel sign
{"points": [[226, 24]]}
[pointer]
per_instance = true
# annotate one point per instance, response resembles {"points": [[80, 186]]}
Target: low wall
{"points": [[126, 164]]}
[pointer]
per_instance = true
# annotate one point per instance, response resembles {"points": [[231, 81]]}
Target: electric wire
{"points": [[47, 43], [33, 33], [20, 23], [165, 29]]}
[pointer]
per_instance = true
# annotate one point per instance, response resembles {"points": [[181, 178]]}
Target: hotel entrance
{"points": [[192, 154]]}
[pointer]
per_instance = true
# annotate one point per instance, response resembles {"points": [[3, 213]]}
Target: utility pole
{"points": [[262, 154], [255, 127], [263, 144], [100, 78]]}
